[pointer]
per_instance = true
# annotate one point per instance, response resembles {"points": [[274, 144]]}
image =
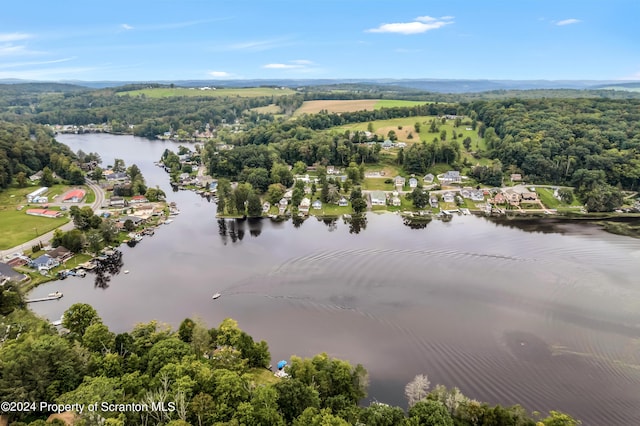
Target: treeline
{"points": [[28, 148], [149, 116], [207, 376]]}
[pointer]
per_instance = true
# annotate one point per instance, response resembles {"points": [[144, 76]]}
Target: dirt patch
{"points": [[314, 107], [402, 134]]}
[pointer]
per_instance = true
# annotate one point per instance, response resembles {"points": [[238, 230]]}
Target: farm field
{"points": [[17, 226], [253, 92], [314, 107]]}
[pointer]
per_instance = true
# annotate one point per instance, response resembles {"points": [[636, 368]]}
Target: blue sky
{"points": [[144, 40]]}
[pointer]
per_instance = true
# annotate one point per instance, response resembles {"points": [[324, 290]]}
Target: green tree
{"points": [[565, 195], [429, 413], [21, 179], [98, 338], [118, 165], [420, 198], [294, 397], [378, 414], [129, 225], [79, 317], [417, 126], [47, 177], [254, 205]]}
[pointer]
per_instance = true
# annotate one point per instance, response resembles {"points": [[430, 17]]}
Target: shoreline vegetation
{"points": [[198, 375]]}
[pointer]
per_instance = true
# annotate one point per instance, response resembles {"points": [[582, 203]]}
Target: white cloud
{"points": [[126, 27], [27, 64], [8, 37], [282, 66], [219, 74], [568, 22], [302, 62], [419, 25]]}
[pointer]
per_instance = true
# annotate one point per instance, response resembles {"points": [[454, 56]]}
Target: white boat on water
{"points": [[57, 295], [168, 221], [215, 296]]}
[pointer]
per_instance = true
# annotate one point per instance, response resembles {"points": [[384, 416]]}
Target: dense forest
{"points": [[204, 376], [28, 148]]}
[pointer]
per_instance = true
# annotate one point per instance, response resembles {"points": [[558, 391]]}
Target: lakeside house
{"points": [[304, 205], [43, 263], [499, 198], [343, 202], [413, 183], [117, 202], [428, 178], [266, 206], [395, 200], [60, 254], [529, 196], [136, 199], [317, 205], [399, 181], [378, 198], [433, 201], [512, 197], [448, 197]]}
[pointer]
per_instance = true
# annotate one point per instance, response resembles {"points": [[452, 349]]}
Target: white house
{"points": [[413, 183], [378, 198], [428, 178], [448, 197], [317, 205], [304, 205], [343, 202], [452, 176], [399, 181]]}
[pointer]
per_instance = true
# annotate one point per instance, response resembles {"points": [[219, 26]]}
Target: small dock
{"points": [[44, 299]]}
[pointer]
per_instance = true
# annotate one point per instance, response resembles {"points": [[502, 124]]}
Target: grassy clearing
{"points": [[269, 109], [405, 126], [253, 92], [377, 184], [17, 227], [18, 196], [91, 196], [330, 209], [262, 376], [392, 103]]}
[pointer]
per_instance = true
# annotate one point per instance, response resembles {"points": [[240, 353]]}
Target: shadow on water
{"points": [[107, 267], [255, 226], [331, 222]]}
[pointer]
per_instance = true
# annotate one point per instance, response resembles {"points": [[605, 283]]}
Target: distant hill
{"points": [[452, 86], [20, 86]]}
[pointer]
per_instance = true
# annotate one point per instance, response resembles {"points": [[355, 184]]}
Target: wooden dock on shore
{"points": [[44, 299]]}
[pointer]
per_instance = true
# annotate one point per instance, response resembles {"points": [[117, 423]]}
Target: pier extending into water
{"points": [[53, 296]]}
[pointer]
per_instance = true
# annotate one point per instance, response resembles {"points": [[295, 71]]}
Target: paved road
{"points": [[45, 238]]}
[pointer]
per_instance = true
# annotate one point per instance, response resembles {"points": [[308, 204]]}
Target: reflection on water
{"points": [[415, 223], [507, 316], [357, 223], [106, 268]]}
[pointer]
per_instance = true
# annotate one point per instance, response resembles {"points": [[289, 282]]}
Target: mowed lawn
{"points": [[352, 105], [17, 227], [252, 92]]}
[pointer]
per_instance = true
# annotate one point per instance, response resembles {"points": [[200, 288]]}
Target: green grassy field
{"points": [[252, 92], [377, 184], [18, 196], [391, 103], [329, 209], [17, 227]]}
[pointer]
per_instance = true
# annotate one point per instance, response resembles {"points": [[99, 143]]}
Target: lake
{"points": [[550, 320]]}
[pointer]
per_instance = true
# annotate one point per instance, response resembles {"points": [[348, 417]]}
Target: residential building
{"points": [[37, 193], [433, 201], [136, 199], [44, 213], [448, 197], [343, 202], [60, 254], [413, 183], [452, 176], [399, 181], [378, 198], [529, 196], [516, 177], [428, 178], [43, 263], [304, 205], [317, 205]]}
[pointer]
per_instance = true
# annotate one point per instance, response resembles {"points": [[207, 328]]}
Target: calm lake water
{"points": [[548, 319]]}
